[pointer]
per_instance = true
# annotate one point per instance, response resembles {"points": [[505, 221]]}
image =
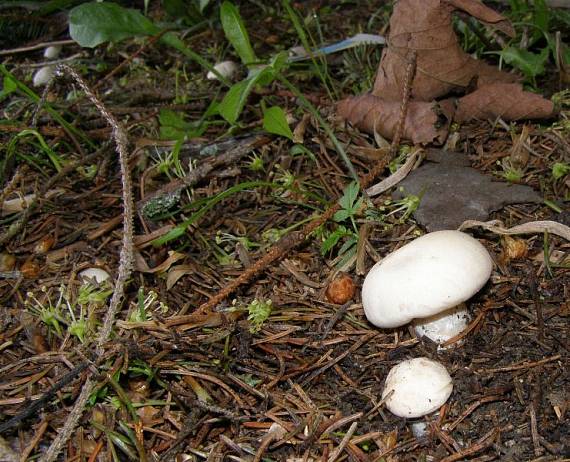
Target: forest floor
{"points": [[275, 371]]}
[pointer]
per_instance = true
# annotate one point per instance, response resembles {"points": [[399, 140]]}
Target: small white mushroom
{"points": [[52, 52], [43, 75], [97, 274], [226, 69], [431, 274], [418, 387]]}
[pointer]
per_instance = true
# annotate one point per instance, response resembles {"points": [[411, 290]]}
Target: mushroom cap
{"points": [[443, 326], [420, 386], [427, 276]]}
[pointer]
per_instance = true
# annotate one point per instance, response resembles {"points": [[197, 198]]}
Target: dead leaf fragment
{"points": [[425, 122], [532, 227], [513, 249], [505, 100]]}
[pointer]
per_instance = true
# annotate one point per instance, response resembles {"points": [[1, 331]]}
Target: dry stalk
{"points": [[125, 265], [13, 183], [408, 79]]}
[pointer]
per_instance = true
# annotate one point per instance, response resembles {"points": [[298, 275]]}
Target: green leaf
{"points": [[236, 32], [349, 196], [275, 121], [540, 19], [531, 64], [349, 244], [341, 215], [9, 86], [332, 240], [203, 4], [231, 106], [91, 24], [174, 127]]}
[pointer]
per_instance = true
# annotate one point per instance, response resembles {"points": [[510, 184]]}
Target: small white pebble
{"points": [[52, 52], [298, 52], [226, 69], [43, 76], [100, 275]]}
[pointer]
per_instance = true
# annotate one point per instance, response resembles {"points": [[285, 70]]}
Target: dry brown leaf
{"points": [[425, 122], [532, 227], [142, 266], [507, 100], [425, 27], [176, 272]]}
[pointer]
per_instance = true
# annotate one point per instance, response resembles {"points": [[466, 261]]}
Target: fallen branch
{"points": [[230, 151]]}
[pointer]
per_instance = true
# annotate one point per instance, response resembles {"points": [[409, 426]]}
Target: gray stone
{"points": [[454, 192]]}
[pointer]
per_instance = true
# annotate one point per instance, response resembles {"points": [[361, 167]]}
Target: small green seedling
{"points": [[48, 313], [350, 205], [409, 204], [259, 311], [145, 304], [560, 170], [90, 294], [227, 238], [255, 163], [511, 173]]}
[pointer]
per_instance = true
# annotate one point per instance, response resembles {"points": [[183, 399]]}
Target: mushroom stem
{"points": [[443, 326]]}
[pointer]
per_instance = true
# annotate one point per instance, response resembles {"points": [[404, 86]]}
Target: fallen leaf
{"points": [[425, 27], [507, 100], [176, 272], [142, 266], [425, 122]]}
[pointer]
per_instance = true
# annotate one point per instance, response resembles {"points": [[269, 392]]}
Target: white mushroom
{"points": [[98, 274], [431, 274], [43, 76], [418, 387], [52, 52], [226, 69]]}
